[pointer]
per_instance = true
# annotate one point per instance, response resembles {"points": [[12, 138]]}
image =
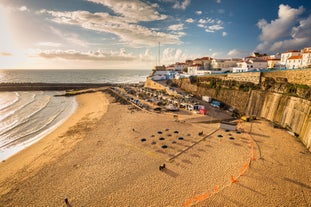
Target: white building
{"points": [[294, 62], [250, 65], [224, 64], [286, 55], [306, 57], [180, 66], [198, 70]]}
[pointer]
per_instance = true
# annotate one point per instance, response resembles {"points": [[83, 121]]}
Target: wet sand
{"points": [[110, 156]]}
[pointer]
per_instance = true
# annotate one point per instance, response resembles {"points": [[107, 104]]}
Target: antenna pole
{"points": [[159, 54]]}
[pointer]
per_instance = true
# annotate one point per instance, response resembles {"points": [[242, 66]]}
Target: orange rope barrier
{"points": [[233, 179]]}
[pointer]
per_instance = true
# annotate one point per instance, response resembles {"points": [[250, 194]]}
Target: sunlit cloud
{"points": [[198, 12], [176, 27], [88, 56], [224, 34], [234, 53], [23, 8], [133, 10], [183, 4], [48, 44], [130, 33], [5, 54], [189, 20], [288, 31]]}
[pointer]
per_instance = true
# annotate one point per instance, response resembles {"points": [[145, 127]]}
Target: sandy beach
{"points": [[108, 155]]}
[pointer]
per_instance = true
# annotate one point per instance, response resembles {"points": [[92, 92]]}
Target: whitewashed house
{"points": [[195, 69], [294, 62], [286, 55], [306, 57]]}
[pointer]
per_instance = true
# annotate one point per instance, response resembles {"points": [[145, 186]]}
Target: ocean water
{"points": [[26, 117]]}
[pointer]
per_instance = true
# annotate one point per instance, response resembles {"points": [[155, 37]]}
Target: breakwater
{"points": [[49, 86]]}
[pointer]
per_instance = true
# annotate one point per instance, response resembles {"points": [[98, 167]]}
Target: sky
{"points": [[130, 34]]}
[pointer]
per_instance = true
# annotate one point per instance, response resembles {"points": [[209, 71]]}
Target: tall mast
{"points": [[159, 55]]}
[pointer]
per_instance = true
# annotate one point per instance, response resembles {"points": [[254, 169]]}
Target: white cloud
{"points": [[288, 31], [201, 25], [218, 1], [48, 44], [198, 12], [133, 10], [128, 32], [280, 27], [23, 8], [224, 34], [182, 5], [213, 28], [202, 21], [176, 27], [172, 55], [234, 53], [72, 38], [190, 20], [98, 55]]}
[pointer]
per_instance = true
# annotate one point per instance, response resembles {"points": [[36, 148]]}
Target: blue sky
{"points": [[120, 34]]}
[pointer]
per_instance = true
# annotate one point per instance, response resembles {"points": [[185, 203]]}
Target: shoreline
{"points": [[51, 146], [21, 146]]}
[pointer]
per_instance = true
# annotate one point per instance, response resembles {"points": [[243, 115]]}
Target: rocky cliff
{"points": [[286, 104]]}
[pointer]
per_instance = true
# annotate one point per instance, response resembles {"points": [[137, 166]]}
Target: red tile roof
{"points": [[295, 57]]}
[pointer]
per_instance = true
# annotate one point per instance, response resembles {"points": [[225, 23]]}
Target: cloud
{"points": [[172, 55], [198, 12], [202, 21], [182, 5], [190, 20], [288, 31], [23, 8], [218, 1], [234, 53], [214, 28], [224, 34], [133, 10], [72, 38], [176, 27], [128, 32], [5, 54], [48, 44], [99, 55]]}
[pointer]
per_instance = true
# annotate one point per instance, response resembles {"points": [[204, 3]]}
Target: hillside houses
{"points": [[292, 59]]}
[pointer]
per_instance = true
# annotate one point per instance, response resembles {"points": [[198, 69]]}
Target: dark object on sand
{"points": [[164, 146], [143, 140], [161, 138], [200, 133], [180, 138], [162, 167], [219, 135], [176, 132], [232, 138], [67, 202]]}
